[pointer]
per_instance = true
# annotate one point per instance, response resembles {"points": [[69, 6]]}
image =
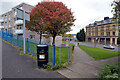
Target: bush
{"points": [[109, 72], [50, 67]]}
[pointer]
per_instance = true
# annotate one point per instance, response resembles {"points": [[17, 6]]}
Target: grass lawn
{"points": [[64, 52], [70, 44], [98, 53]]}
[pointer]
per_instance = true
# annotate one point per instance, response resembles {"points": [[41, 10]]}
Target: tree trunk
{"points": [[40, 37], [53, 40]]}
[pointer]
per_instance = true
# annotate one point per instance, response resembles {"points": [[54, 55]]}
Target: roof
{"points": [[102, 22]]}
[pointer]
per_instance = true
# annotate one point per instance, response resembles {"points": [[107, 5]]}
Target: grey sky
{"points": [[85, 11]]}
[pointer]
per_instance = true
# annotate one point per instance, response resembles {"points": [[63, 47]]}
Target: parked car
{"points": [[108, 46]]}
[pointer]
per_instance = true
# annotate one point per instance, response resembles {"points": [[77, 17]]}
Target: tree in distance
{"points": [[81, 35]]}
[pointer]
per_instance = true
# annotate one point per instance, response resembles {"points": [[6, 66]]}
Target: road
{"points": [[117, 49], [16, 66]]}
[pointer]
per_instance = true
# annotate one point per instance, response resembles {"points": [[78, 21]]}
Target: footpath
{"points": [[17, 66], [84, 66]]}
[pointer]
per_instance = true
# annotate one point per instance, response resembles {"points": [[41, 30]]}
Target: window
{"points": [[89, 29], [20, 27], [102, 28], [113, 33], [96, 33], [96, 28], [32, 36], [113, 26], [5, 16], [2, 17], [92, 29], [5, 23], [2, 24], [102, 33], [17, 27], [14, 19], [92, 33], [108, 27], [108, 33]]}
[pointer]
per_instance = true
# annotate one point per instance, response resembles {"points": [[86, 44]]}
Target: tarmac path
{"points": [[84, 66], [17, 66]]}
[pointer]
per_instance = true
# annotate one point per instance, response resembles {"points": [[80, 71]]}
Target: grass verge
{"points": [[98, 53]]}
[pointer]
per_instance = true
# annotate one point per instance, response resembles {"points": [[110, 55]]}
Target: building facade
{"points": [[104, 32], [10, 22]]}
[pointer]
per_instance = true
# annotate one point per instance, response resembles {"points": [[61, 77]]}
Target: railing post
{"points": [[53, 54], [2, 34], [11, 37], [68, 53], [60, 55], [39, 42], [17, 41], [27, 45], [45, 43], [6, 35]]}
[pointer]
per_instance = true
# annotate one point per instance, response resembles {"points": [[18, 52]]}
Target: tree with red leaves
{"points": [[54, 18]]}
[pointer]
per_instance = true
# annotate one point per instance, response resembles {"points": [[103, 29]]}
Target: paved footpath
{"points": [[84, 66], [16, 66]]}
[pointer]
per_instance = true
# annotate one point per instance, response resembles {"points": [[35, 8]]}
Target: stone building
{"points": [[104, 32]]}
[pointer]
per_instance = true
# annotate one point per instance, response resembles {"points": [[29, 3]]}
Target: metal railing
{"points": [[57, 55]]}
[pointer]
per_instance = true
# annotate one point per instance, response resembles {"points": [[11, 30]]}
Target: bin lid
{"points": [[41, 45]]}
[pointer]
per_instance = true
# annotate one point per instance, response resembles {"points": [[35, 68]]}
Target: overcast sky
{"points": [[85, 11]]}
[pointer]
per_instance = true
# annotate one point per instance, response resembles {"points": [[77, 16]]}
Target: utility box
{"points": [[42, 55]]}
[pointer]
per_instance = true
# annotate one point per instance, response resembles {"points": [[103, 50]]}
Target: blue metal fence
{"points": [[31, 48]]}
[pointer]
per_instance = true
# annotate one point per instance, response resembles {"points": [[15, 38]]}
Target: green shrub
{"points": [[109, 72], [50, 67]]}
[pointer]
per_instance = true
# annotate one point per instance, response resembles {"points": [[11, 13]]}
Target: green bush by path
{"points": [[109, 72], [98, 53]]}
